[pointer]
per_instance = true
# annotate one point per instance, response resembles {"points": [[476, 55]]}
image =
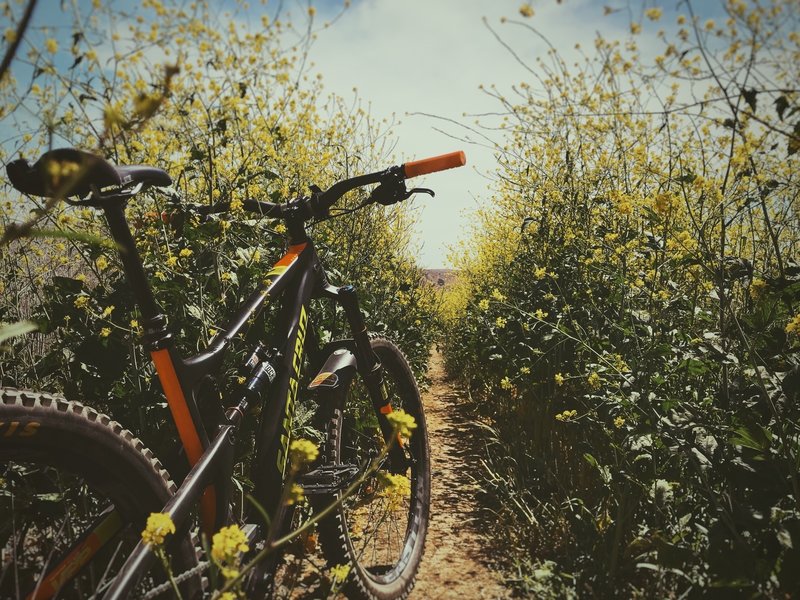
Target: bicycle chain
{"points": [[166, 587]]}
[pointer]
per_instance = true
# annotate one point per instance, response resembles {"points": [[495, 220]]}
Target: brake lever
{"points": [[413, 191]]}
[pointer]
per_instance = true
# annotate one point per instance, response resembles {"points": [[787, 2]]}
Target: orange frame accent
{"points": [[186, 429]]}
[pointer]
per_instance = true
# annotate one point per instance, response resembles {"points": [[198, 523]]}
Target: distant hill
{"points": [[441, 277]]}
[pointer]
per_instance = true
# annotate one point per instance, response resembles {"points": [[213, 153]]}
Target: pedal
{"points": [[328, 479]]}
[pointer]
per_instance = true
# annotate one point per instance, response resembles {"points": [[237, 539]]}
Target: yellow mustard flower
{"points": [[483, 304], [101, 263], [51, 45], [302, 452], [793, 326], [185, 252], [107, 311], [296, 494], [403, 422], [540, 273], [505, 383], [497, 295], [105, 332], [339, 572], [619, 422], [566, 415], [757, 288], [559, 379], [594, 380], [81, 301], [227, 544], [395, 488], [159, 525], [654, 14], [500, 322]]}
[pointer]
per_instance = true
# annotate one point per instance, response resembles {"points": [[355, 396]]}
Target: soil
{"points": [[457, 562]]}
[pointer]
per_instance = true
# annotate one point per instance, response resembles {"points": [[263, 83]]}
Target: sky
{"points": [[422, 57]]}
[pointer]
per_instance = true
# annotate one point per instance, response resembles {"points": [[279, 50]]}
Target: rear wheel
{"points": [[378, 531], [75, 492]]}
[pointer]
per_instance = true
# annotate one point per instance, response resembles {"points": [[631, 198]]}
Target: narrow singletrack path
{"points": [[457, 557]]}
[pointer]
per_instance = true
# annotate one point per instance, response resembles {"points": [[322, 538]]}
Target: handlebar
{"points": [[320, 202]]}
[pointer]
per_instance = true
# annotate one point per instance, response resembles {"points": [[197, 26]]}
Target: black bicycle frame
{"points": [[297, 277]]}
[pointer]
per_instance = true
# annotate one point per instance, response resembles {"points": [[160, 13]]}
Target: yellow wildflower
{"points": [[105, 332], [505, 383], [525, 370], [339, 572], [280, 228], [559, 379], [107, 311], [497, 295], [302, 452], [540, 314], [101, 263], [395, 488], [619, 422], [500, 322], [51, 45], [654, 14], [636, 28], [227, 544], [159, 525], [483, 304], [112, 116], [594, 380], [81, 301], [757, 288], [540, 273], [185, 252], [793, 326], [295, 495], [171, 261], [566, 415], [403, 422]]}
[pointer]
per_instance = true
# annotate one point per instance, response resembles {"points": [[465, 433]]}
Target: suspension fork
{"points": [[371, 371]]}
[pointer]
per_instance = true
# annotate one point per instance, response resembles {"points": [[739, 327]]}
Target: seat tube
{"points": [[132, 264]]}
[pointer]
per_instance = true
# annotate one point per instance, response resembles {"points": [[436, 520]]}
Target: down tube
{"points": [[278, 413]]}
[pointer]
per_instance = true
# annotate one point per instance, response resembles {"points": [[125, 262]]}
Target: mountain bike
{"points": [[77, 487]]}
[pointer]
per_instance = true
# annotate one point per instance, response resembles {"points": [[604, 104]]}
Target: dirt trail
{"points": [[457, 555]]}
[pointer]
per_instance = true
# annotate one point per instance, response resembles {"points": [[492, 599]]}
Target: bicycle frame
{"points": [[296, 278]]}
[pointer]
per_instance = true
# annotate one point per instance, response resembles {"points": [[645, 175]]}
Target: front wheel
{"points": [[379, 531]]}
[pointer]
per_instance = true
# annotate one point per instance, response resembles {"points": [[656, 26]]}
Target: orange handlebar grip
{"points": [[434, 163]]}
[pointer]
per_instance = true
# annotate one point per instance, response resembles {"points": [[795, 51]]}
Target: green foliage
{"points": [[635, 341]]}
